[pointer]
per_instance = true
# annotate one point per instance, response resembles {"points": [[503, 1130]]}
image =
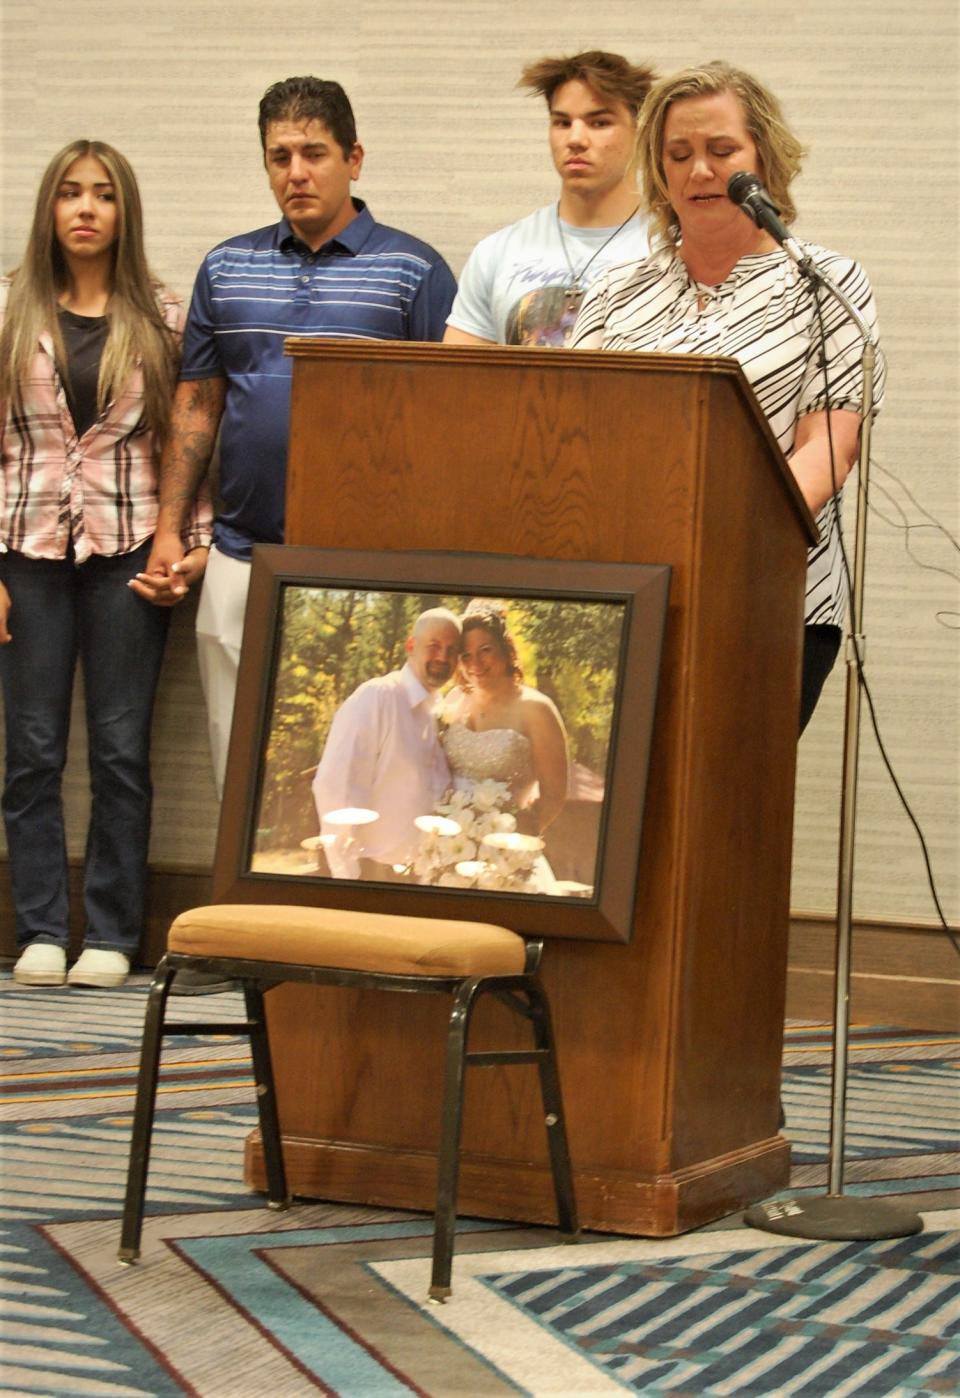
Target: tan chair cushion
{"points": [[382, 942]]}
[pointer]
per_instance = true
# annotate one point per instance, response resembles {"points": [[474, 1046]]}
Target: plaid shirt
{"points": [[100, 490]]}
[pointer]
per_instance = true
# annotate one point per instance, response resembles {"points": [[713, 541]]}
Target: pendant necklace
{"points": [[574, 293]]}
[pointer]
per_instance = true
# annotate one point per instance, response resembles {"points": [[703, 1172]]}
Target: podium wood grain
{"points": [[669, 1046]]}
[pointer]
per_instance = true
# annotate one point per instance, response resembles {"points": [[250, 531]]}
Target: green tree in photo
{"points": [[333, 639]]}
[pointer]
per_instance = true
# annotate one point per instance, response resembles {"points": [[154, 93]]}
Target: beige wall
{"points": [[453, 152]]}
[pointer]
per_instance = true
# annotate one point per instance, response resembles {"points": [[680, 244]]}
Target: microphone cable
{"points": [[948, 619], [858, 658]]}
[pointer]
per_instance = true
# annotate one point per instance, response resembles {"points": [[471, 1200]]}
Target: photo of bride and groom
{"points": [[459, 744]]}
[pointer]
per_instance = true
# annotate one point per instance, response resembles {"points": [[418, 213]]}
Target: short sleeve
{"points": [[201, 357], [432, 302], [473, 309]]}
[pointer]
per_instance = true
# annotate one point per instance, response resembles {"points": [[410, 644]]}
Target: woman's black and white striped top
{"points": [[764, 316]]}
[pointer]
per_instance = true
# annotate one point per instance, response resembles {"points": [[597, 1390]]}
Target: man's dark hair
{"points": [[609, 74], [310, 99]]}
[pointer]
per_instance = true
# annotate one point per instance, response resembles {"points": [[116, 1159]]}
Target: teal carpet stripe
{"points": [[304, 1331], [313, 1338]]}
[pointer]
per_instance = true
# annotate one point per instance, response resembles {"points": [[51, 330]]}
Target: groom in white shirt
{"points": [[383, 754]]}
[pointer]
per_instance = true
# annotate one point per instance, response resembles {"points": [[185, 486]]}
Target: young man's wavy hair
{"points": [[779, 153], [137, 337], [609, 74]]}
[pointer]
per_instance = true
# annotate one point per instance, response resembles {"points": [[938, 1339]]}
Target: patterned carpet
{"points": [[232, 1300]]}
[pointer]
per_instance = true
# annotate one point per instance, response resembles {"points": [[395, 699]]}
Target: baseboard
{"points": [[902, 974], [607, 1201]]}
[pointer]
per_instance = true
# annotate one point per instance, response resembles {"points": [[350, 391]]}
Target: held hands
{"points": [[170, 573], [165, 583]]}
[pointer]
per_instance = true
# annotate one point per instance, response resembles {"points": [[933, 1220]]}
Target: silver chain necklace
{"points": [[574, 293]]}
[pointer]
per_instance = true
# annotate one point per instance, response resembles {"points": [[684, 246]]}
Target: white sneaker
{"points": [[99, 968], [42, 963]]}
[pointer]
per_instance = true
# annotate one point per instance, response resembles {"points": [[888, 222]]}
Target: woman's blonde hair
{"points": [[137, 333], [779, 153]]}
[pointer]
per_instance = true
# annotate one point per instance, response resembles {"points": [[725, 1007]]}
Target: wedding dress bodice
{"points": [[501, 755], [498, 754]]}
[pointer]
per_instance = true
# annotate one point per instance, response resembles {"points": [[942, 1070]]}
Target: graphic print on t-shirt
{"points": [[545, 316]]}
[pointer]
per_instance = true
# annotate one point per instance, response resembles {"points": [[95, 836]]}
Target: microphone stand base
{"points": [[835, 1218]]}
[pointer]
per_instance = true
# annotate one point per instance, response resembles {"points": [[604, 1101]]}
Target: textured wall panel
{"points": [[453, 151]]}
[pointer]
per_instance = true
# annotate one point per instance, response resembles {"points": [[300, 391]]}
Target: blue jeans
{"points": [[59, 611]]}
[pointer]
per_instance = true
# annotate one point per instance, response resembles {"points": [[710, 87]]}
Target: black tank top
{"points": [[83, 338]]}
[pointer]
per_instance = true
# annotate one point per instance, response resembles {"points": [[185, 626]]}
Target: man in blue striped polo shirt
{"points": [[327, 268]]}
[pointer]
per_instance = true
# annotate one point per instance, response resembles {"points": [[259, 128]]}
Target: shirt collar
{"points": [[349, 240], [415, 691]]}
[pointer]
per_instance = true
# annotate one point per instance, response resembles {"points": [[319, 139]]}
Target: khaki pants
{"points": [[220, 614]]}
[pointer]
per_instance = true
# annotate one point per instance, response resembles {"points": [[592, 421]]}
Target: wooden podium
{"points": [[670, 1047]]}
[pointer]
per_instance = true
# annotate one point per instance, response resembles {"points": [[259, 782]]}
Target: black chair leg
{"points": [[553, 1113], [143, 1114], [451, 1122], [266, 1097]]}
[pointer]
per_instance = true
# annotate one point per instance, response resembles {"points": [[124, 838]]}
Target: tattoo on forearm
{"points": [[194, 419]]}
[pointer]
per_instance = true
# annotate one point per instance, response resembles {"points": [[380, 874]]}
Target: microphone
{"points": [[746, 190]]}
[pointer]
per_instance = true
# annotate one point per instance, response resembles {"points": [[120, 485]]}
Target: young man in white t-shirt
{"points": [[523, 285]]}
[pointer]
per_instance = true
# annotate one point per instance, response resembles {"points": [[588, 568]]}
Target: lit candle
{"points": [[316, 842], [436, 825], [472, 868], [511, 840], [350, 815]]}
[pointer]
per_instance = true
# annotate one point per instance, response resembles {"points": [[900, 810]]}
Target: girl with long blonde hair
{"points": [[89, 350]]}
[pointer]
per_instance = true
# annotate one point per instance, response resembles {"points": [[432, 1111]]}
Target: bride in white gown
{"points": [[500, 732]]}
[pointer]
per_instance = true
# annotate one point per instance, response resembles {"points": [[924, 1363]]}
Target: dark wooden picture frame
{"points": [[633, 596]]}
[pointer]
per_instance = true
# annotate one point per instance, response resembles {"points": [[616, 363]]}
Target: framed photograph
{"points": [[444, 734]]}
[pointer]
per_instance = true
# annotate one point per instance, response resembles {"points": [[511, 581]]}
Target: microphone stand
{"points": [[836, 1215]]}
